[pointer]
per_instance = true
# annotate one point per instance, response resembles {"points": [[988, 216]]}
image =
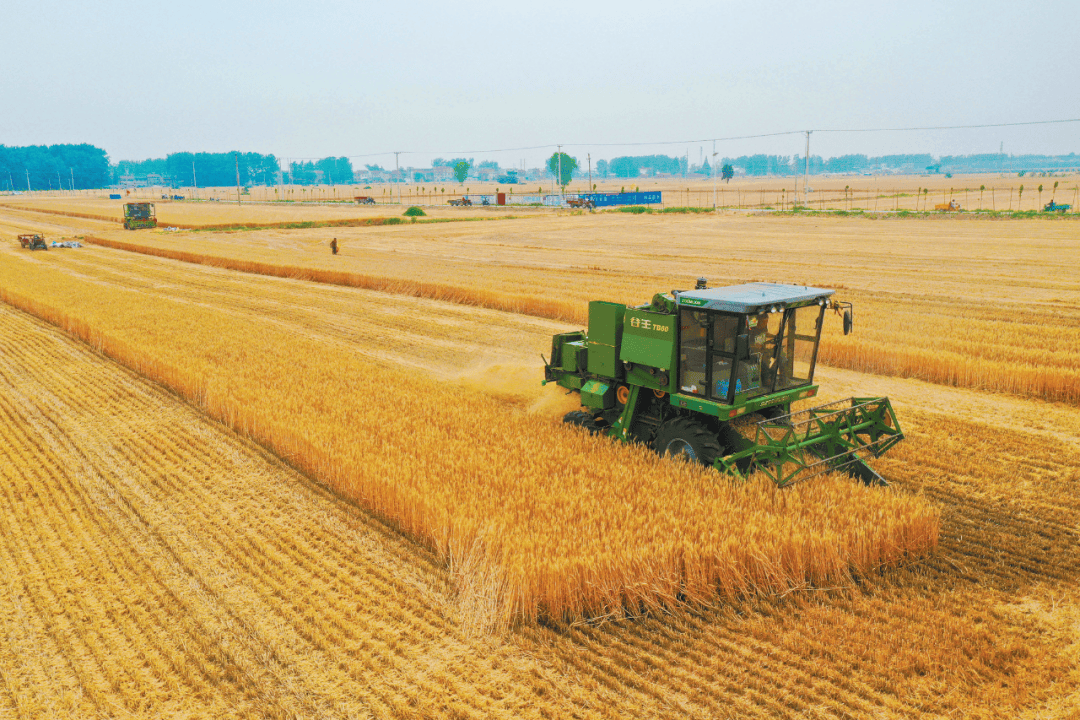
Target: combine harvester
{"points": [[711, 374], [139, 215]]}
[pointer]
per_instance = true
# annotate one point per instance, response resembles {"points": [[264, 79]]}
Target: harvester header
{"points": [[711, 374]]}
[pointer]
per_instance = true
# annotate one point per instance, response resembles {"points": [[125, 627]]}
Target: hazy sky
{"points": [[323, 77]]}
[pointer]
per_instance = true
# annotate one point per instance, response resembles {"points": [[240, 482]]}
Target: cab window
{"points": [[722, 359], [693, 351]]}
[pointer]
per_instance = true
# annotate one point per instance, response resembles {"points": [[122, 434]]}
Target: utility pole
{"points": [[397, 168], [28, 190], [715, 207], [559, 178], [72, 171], [236, 156], [589, 156], [59, 182], [194, 180], [806, 179]]}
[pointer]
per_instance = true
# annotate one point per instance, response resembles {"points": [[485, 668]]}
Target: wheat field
{"points": [[984, 626], [953, 300], [1000, 192], [592, 530]]}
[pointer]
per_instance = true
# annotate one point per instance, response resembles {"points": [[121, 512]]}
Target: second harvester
{"points": [[710, 374]]}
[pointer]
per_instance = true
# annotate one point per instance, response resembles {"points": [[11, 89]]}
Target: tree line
{"points": [[186, 169], [53, 167]]}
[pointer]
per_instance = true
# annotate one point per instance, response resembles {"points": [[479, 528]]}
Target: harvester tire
{"points": [[682, 437], [580, 418]]}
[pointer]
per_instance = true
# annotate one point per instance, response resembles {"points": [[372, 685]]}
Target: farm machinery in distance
{"points": [[1056, 207], [139, 215], [33, 241], [710, 375]]}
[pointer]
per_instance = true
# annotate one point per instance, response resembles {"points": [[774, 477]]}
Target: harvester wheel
{"points": [[681, 437], [580, 418]]}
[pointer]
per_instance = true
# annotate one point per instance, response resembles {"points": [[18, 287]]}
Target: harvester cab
{"points": [[139, 215], [710, 374]]}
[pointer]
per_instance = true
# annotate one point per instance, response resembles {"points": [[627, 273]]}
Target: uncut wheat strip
{"points": [[965, 383], [997, 378], [435, 291], [356, 332]]}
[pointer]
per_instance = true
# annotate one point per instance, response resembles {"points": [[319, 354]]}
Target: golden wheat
{"points": [[560, 523], [983, 627], [938, 312]]}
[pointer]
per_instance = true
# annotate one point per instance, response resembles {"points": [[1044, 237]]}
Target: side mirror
{"points": [[848, 325], [742, 346]]}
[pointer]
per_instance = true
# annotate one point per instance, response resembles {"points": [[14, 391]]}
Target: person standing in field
{"points": [[333, 246]]}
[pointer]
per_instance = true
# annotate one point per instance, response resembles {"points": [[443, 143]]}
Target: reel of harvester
{"points": [[836, 436]]}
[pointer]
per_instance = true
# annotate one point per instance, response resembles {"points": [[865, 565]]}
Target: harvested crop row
{"points": [[571, 525], [156, 565]]}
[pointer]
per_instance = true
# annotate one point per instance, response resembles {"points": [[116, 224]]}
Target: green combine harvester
{"points": [[710, 374], [139, 215]]}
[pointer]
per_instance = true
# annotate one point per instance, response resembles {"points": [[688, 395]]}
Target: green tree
{"points": [[727, 172], [602, 168], [564, 164], [461, 170]]}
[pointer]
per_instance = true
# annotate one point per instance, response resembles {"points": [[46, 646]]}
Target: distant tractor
{"points": [[950, 206], [139, 215], [711, 374], [364, 200], [582, 202], [33, 242], [1055, 207], [462, 202]]}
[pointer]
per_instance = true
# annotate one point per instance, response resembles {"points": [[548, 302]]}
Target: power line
{"points": [[704, 140], [953, 127]]}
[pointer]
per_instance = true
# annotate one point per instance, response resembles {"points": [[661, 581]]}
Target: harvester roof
{"points": [[752, 297]]}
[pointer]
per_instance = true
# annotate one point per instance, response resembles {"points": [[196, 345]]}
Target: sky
{"points": [[509, 81]]}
